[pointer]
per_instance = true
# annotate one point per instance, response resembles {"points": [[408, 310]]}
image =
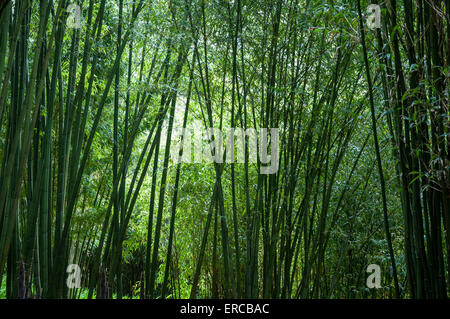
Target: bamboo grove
{"points": [[88, 122]]}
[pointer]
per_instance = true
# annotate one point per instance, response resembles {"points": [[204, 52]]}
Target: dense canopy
{"points": [[224, 149]]}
